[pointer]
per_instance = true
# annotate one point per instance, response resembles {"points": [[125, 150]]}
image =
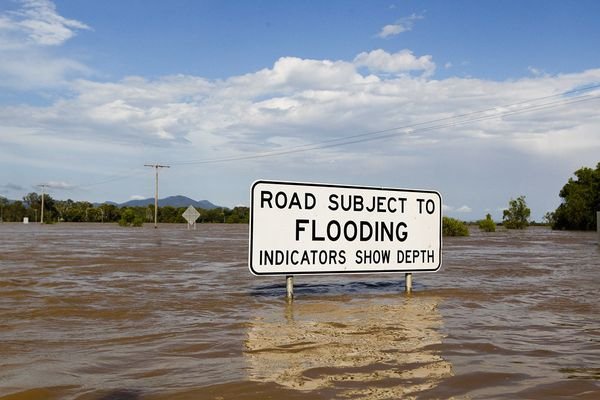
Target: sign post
{"points": [[310, 228], [289, 287], [408, 282]]}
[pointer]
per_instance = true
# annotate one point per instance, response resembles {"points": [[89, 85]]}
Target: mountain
{"points": [[173, 201]]}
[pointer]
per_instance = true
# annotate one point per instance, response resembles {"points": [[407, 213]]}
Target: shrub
{"points": [[487, 224], [454, 227]]}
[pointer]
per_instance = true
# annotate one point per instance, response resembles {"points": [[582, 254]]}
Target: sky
{"points": [[481, 101]]}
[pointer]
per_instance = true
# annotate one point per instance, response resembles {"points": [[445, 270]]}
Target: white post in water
{"points": [[289, 287], [408, 282]]}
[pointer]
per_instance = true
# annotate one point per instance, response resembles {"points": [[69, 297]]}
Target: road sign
{"points": [[191, 215], [311, 228]]}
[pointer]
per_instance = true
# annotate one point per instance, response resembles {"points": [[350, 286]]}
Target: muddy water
{"points": [[102, 312]]}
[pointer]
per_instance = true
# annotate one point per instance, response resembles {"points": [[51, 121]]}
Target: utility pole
{"points": [[42, 212], [156, 167]]}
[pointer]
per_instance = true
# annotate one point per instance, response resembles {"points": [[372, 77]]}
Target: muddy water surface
{"points": [[94, 311]]}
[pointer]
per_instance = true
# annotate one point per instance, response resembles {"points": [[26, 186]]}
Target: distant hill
{"points": [[173, 201]]}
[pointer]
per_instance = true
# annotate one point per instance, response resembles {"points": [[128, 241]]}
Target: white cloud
{"points": [[401, 62], [450, 209], [464, 209], [137, 197], [402, 25], [40, 23], [26, 35], [298, 102], [392, 30]]}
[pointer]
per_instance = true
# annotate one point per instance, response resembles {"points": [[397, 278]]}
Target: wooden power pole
{"points": [[42, 206], [156, 167]]}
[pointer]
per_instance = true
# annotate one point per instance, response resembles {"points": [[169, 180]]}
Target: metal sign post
{"points": [[289, 287], [408, 283]]}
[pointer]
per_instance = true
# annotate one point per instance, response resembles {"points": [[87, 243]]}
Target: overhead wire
{"points": [[415, 128], [564, 98]]}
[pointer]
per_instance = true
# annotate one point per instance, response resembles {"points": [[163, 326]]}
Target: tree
{"points": [[454, 227], [33, 200], [3, 204], [239, 215], [129, 217], [168, 214], [34, 203], [109, 213], [14, 212], [517, 214], [581, 200], [487, 224]]}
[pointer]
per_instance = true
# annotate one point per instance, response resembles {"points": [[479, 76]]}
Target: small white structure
{"points": [[191, 215], [25, 220]]}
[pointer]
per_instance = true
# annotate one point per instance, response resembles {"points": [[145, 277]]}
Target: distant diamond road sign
{"points": [[191, 215]]}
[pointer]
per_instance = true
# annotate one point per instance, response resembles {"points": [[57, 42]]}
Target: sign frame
{"points": [[304, 185]]}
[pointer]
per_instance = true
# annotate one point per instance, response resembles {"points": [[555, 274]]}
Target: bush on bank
{"points": [[454, 227]]}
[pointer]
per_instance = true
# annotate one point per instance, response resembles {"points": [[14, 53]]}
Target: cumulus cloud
{"points": [[402, 25], [39, 22], [301, 102], [403, 61], [26, 35]]}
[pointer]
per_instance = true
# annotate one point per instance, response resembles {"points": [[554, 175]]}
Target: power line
{"points": [[457, 120], [573, 96], [113, 178]]}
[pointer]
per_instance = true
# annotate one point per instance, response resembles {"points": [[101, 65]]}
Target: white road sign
{"points": [[190, 215], [310, 228]]}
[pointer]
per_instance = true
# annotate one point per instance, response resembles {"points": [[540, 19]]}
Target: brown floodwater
{"points": [[95, 311]]}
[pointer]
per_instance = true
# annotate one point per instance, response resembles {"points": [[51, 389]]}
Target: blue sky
{"points": [[91, 91]]}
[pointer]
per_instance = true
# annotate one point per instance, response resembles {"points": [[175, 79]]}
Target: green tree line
{"points": [[84, 211], [580, 202]]}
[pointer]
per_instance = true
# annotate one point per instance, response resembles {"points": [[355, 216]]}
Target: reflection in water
{"points": [[380, 348]]}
